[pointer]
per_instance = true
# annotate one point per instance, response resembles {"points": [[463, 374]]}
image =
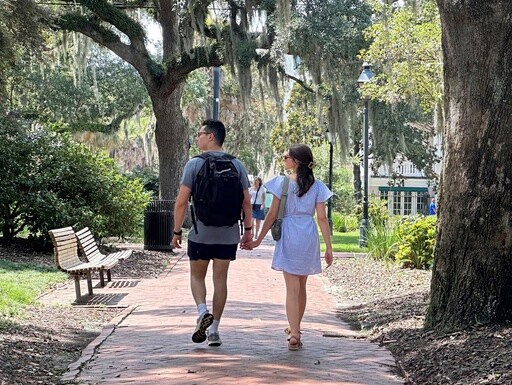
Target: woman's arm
{"points": [[267, 224], [326, 231]]}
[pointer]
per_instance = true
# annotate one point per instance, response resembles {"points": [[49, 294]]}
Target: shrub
{"points": [[48, 181], [378, 211], [417, 242], [383, 240], [343, 223], [149, 178]]}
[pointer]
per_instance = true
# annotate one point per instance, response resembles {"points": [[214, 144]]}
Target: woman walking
{"points": [[297, 253], [257, 192]]}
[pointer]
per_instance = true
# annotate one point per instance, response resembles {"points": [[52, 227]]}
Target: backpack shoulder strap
{"points": [[210, 154], [204, 155], [284, 195]]}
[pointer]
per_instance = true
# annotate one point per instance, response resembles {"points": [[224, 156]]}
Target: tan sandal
{"points": [[288, 332], [294, 343]]}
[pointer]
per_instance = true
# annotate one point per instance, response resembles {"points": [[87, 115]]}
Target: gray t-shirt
{"points": [[224, 235]]}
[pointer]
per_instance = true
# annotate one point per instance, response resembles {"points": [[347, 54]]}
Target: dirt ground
{"points": [[387, 305]]}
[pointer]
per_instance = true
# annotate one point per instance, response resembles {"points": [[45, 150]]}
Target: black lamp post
{"points": [[365, 77], [328, 134], [216, 92]]}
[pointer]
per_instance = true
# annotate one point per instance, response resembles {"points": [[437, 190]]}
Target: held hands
{"points": [[246, 240], [253, 244]]}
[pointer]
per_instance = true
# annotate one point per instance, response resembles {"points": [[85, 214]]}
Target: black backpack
{"points": [[217, 193]]}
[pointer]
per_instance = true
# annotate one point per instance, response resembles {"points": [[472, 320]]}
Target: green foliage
{"points": [[344, 223], [417, 242], [21, 283], [65, 99], [407, 241], [342, 176], [195, 97], [20, 32], [406, 51], [148, 176], [300, 126], [394, 137], [377, 211], [49, 182], [245, 53], [383, 240], [328, 34]]}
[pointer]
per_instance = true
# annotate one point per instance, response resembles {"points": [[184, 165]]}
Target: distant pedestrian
{"points": [[297, 253], [216, 232], [432, 208], [257, 192]]}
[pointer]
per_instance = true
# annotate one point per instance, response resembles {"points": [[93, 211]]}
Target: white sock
{"points": [[214, 327], [201, 309]]}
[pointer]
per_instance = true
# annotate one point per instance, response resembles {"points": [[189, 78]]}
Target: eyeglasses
{"points": [[286, 157], [202, 132]]}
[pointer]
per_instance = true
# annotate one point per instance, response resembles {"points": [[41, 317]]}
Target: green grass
{"points": [[21, 283], [344, 242]]}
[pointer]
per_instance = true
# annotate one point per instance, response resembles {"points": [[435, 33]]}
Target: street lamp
{"points": [[216, 92], [364, 78], [328, 134]]}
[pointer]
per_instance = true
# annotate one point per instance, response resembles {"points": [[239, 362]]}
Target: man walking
{"points": [[215, 213]]}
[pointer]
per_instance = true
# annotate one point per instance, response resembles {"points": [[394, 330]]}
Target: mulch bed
{"points": [[386, 303]]}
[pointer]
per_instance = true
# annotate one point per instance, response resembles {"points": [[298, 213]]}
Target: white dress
{"points": [[298, 250]]}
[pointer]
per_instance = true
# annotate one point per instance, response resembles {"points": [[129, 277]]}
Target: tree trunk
{"points": [[472, 274], [172, 141]]}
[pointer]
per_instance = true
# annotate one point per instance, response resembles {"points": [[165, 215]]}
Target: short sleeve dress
{"points": [[298, 250]]}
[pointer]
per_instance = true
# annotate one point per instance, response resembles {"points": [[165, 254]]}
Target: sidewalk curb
{"points": [[89, 352]]}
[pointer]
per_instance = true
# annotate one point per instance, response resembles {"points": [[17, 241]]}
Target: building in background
{"points": [[405, 188]]}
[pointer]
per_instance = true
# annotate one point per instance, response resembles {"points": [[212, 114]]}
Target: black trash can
{"points": [[158, 225]]}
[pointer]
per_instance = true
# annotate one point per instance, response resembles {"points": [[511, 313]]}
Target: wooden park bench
{"points": [[91, 253], [65, 246]]}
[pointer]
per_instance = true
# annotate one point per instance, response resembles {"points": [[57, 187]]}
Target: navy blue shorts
{"points": [[197, 251]]}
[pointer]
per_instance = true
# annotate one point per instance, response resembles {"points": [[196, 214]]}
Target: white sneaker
{"points": [[214, 339]]}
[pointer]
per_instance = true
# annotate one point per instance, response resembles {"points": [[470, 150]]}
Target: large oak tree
{"points": [[191, 40], [472, 275]]}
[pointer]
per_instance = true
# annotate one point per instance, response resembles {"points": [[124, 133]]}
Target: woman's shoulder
{"points": [[274, 182], [319, 183]]}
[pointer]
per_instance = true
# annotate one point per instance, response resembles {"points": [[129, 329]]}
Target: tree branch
{"points": [[150, 71], [113, 15], [297, 80], [200, 57]]}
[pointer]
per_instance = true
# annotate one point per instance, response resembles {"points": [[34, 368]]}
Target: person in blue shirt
{"points": [[432, 209]]}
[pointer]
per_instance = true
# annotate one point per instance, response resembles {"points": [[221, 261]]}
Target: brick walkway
{"points": [[151, 343]]}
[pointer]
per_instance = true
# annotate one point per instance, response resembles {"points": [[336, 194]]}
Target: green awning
{"points": [[399, 188]]}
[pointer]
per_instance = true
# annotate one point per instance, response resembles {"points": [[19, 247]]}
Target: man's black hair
{"points": [[216, 127]]}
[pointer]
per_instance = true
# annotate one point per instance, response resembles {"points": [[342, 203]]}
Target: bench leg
{"points": [[76, 277], [89, 282], [109, 276], [102, 278]]}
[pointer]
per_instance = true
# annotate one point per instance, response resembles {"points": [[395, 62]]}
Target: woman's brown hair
{"points": [[303, 157]]}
